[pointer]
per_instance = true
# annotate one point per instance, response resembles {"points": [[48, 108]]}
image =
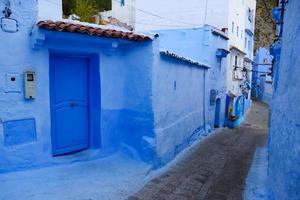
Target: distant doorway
{"points": [[217, 113]]}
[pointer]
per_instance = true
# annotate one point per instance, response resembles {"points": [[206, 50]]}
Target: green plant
{"points": [[100, 5], [68, 6], [103, 4], [85, 9]]}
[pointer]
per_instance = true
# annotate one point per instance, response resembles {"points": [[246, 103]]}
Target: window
{"points": [[249, 45], [242, 34], [237, 30], [232, 27], [245, 43], [250, 14], [235, 61]]}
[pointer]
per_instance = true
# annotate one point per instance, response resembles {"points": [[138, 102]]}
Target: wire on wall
{"points": [[147, 13], [158, 16], [7, 11], [7, 23]]}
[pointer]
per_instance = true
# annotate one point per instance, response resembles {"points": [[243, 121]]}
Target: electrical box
{"points": [[30, 84], [9, 25], [13, 83]]}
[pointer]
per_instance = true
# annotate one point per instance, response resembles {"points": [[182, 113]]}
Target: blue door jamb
{"points": [[94, 88], [217, 113]]}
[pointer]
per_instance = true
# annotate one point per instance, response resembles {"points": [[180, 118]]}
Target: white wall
{"points": [[236, 31], [160, 15], [237, 15], [124, 13], [170, 14], [50, 9]]}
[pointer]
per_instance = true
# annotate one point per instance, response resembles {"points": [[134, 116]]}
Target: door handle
{"points": [[73, 104]]}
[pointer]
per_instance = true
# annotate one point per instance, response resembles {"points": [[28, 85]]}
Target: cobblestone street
{"points": [[217, 168]]}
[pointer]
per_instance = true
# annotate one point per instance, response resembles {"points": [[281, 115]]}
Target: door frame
{"points": [[217, 121], [94, 92]]}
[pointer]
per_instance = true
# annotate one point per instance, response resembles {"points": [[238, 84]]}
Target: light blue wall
{"points": [[142, 111], [125, 76], [15, 57], [262, 63], [181, 92], [284, 141], [262, 88]]}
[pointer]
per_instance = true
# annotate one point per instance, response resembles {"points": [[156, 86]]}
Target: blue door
{"points": [[69, 104], [217, 113]]}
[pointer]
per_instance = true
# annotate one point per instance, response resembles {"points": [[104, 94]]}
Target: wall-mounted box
{"points": [[13, 83], [17, 132], [9, 25], [29, 84]]}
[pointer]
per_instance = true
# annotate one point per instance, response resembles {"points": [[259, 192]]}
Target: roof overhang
{"points": [[89, 29], [182, 58], [222, 53], [234, 48], [219, 33], [56, 37], [248, 60]]}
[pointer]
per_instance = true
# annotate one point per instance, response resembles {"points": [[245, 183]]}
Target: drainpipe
{"points": [[282, 17], [206, 37], [204, 101]]}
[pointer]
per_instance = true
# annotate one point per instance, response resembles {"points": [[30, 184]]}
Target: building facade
{"points": [[262, 80], [64, 92], [236, 18], [78, 92], [189, 87]]}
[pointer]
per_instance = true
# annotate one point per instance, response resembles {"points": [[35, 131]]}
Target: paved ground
{"points": [[213, 169], [217, 168], [111, 178]]}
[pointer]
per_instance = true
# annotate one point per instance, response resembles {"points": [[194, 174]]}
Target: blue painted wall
{"points": [[262, 88], [284, 141], [181, 92], [125, 81], [151, 106]]}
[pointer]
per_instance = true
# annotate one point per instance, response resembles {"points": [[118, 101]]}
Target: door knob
{"points": [[73, 104]]}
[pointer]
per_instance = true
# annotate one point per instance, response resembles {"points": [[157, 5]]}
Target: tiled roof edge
{"points": [[182, 58], [62, 26]]}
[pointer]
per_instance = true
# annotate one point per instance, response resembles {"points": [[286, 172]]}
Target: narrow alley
{"points": [[213, 169], [149, 100], [216, 168]]}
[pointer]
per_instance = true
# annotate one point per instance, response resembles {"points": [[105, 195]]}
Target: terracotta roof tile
{"points": [[182, 58], [90, 30]]}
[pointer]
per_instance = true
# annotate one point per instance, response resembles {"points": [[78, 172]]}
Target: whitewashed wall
{"points": [[237, 23], [237, 15], [161, 15], [50, 9], [124, 13], [170, 14]]}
